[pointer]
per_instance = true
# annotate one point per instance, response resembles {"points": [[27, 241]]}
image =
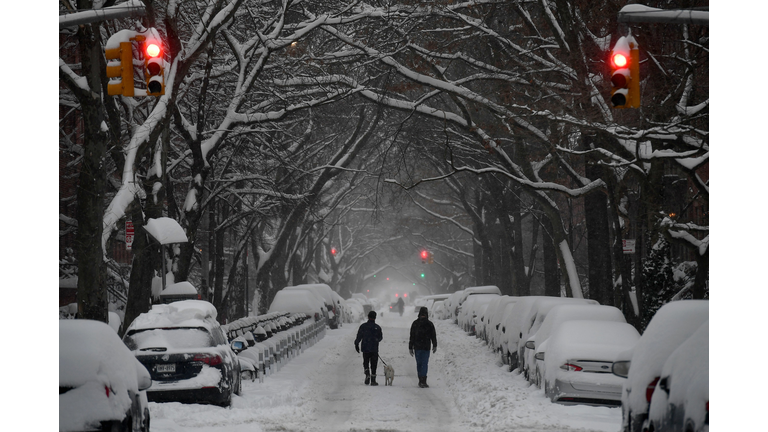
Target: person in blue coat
{"points": [[370, 335]]}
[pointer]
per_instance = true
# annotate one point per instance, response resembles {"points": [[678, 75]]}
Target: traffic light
{"points": [[422, 275], [424, 256], [334, 251], [625, 73], [154, 73], [431, 259], [120, 65]]}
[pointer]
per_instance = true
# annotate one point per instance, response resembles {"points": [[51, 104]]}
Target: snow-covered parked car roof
{"points": [[304, 301], [325, 291], [182, 313]]}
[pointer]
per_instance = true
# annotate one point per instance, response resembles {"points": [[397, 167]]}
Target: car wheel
{"points": [[145, 423], [239, 386], [119, 426], [227, 401]]}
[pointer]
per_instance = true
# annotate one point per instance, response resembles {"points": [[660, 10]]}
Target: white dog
{"points": [[389, 375]]}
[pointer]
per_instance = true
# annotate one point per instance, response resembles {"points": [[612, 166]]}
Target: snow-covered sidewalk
{"points": [[322, 390]]}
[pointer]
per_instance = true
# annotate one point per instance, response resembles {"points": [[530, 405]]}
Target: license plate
{"points": [[165, 368]]}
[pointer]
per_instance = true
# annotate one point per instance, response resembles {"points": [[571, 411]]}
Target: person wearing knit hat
{"points": [[370, 335], [422, 337]]}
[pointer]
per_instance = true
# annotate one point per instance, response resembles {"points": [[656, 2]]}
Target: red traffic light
{"points": [[153, 50], [424, 254], [333, 251], [619, 60]]}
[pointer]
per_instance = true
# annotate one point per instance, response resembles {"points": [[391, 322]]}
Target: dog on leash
{"points": [[389, 375]]}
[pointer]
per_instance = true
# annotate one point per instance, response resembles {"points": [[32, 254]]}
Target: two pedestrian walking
{"points": [[423, 337]]}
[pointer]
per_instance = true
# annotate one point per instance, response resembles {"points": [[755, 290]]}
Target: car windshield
{"points": [[170, 338]]}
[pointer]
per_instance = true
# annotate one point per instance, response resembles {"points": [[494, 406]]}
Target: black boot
{"points": [[425, 383], [422, 382], [373, 380], [367, 377]]}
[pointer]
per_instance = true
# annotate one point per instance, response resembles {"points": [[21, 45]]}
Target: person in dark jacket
{"points": [[422, 335], [370, 335]]}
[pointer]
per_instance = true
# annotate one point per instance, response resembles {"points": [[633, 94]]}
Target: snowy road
{"points": [[322, 390]]}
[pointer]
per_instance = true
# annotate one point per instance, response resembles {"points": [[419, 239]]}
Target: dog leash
{"points": [[382, 360]]}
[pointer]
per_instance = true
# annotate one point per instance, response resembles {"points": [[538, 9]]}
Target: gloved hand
{"points": [[410, 350], [357, 348], [434, 349]]}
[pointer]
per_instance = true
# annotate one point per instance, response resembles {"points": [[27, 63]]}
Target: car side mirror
{"points": [[539, 356], [664, 384], [237, 346], [530, 345], [621, 368], [144, 380]]}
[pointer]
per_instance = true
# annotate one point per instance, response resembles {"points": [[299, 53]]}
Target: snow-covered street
{"points": [[323, 390]]}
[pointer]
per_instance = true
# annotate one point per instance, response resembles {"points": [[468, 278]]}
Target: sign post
{"points": [[128, 235], [628, 246]]}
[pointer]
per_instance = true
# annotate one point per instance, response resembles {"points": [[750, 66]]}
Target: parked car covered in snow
{"points": [[533, 319], [452, 304], [578, 362], [672, 325], [299, 301], [472, 291], [557, 316], [355, 311], [680, 401], [186, 352], [473, 308], [325, 295], [101, 384], [439, 311]]}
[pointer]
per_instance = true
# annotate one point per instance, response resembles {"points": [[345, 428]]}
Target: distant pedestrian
{"points": [[370, 335], [400, 305], [422, 335]]}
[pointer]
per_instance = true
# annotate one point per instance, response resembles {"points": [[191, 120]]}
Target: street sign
{"points": [[128, 234], [628, 246]]}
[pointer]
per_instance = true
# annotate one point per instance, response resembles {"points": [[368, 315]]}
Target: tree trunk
{"points": [[218, 266], [519, 277], [598, 241], [91, 270], [142, 270], [551, 272]]}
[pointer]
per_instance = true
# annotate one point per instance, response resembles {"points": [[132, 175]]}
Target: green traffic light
{"points": [[422, 275]]}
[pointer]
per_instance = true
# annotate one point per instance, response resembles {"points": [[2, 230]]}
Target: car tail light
{"points": [[209, 359], [571, 367], [649, 390]]}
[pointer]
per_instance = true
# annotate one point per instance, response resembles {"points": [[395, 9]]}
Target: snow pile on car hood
{"points": [[92, 357], [177, 314]]}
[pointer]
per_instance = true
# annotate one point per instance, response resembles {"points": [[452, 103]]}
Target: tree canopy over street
{"points": [[481, 131]]}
